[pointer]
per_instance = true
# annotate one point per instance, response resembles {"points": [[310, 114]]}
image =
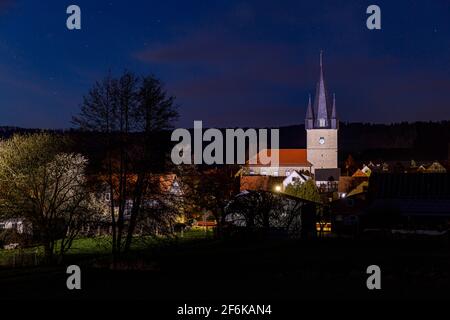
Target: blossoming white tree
{"points": [[46, 186]]}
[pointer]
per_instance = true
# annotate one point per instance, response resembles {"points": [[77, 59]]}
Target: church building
{"points": [[321, 154]]}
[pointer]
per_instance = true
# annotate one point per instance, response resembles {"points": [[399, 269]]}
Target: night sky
{"points": [[229, 63]]}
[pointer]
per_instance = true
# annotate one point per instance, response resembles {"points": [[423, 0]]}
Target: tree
{"points": [[306, 190], [46, 186], [309, 191], [131, 113], [210, 189], [258, 209]]}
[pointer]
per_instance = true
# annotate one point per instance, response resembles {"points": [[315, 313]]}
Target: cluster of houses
{"points": [[407, 195]]}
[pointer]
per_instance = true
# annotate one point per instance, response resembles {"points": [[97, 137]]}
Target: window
{"points": [[275, 173], [321, 122], [263, 172], [287, 173]]}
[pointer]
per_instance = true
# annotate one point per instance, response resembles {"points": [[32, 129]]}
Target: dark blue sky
{"points": [[229, 63]]}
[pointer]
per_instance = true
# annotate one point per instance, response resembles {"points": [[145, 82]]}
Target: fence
{"points": [[20, 258]]}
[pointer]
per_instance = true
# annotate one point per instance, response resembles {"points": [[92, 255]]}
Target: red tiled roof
{"points": [[287, 157], [266, 183]]}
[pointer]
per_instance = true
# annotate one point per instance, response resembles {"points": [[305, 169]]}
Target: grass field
{"points": [[95, 247]]}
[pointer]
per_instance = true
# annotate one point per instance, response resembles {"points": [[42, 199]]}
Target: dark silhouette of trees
{"points": [[131, 114], [259, 211]]}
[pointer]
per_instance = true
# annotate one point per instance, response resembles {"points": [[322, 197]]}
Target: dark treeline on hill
{"points": [[426, 141], [365, 141], [8, 131]]}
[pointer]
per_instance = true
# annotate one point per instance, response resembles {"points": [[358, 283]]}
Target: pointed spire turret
{"points": [[309, 112], [334, 119], [333, 110], [309, 120]]}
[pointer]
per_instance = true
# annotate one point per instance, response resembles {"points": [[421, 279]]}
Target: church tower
{"points": [[322, 126]]}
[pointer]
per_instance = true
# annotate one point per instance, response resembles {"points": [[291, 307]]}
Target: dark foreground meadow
{"points": [[205, 270]]}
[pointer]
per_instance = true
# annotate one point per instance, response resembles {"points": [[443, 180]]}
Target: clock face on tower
{"points": [[322, 140]]}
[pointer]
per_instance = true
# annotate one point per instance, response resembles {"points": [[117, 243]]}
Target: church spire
{"points": [[321, 112], [321, 99]]}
